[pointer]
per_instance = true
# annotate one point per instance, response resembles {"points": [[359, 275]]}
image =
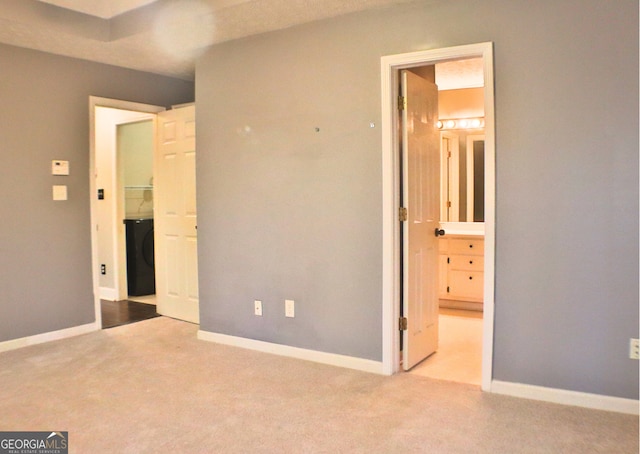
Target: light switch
{"points": [[59, 192], [59, 167]]}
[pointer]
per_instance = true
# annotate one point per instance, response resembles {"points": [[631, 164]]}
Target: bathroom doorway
{"points": [[460, 123], [392, 239]]}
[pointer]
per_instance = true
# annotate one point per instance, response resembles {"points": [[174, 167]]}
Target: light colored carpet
{"points": [[153, 387]]}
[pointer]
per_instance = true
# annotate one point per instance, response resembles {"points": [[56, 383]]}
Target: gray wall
{"points": [[45, 246], [288, 212]]}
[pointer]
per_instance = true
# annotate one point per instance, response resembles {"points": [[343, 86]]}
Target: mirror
{"points": [[462, 176], [461, 123]]}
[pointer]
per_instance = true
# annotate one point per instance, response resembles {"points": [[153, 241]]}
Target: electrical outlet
{"points": [[289, 308], [257, 308], [634, 348], [103, 269]]}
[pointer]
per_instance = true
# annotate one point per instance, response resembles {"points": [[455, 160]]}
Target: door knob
{"points": [[439, 232]]}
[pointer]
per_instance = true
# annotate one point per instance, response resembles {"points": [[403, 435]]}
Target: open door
{"points": [[421, 198], [176, 237]]}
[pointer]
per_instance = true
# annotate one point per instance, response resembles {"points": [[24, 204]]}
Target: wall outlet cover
{"points": [[634, 348], [257, 308], [289, 308]]}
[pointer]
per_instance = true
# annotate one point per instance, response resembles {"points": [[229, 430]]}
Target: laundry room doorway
{"points": [[135, 150], [134, 197], [122, 142]]}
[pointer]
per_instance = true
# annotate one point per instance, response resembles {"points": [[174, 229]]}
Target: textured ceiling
{"points": [[162, 36], [467, 73], [158, 36], [105, 9]]}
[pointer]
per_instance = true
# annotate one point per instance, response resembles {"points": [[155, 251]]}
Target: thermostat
{"points": [[59, 167]]}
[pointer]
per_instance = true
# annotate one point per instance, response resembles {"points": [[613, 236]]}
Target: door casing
{"points": [[391, 238]]}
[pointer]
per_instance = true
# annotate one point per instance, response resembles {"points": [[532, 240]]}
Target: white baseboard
{"points": [[47, 337], [561, 396], [350, 362], [109, 294]]}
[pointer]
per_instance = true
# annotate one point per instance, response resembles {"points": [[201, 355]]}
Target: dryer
{"points": [[141, 278]]}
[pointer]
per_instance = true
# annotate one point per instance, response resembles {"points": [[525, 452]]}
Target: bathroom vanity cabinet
{"points": [[461, 266]]}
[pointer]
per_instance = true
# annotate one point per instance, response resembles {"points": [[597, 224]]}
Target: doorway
{"points": [[392, 174], [173, 207], [116, 124]]}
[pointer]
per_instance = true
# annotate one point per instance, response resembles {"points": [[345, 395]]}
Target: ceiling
{"points": [[160, 36], [105, 9], [468, 73]]}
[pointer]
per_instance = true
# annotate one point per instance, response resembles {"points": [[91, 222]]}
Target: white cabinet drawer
{"points": [[466, 246], [461, 268], [467, 284], [466, 262]]}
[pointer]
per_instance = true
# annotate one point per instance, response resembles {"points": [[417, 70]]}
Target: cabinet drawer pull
{"points": [[471, 246], [470, 277], [470, 262]]}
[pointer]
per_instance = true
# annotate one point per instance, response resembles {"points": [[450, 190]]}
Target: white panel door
{"points": [[176, 237], [421, 197]]}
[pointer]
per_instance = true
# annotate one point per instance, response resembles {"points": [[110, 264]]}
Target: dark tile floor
{"points": [[116, 313]]}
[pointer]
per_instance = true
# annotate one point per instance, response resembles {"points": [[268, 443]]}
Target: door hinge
{"points": [[402, 103], [448, 290], [448, 154], [403, 323], [448, 203], [448, 261], [402, 214]]}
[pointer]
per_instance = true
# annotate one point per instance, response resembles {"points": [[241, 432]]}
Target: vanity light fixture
{"points": [[461, 123]]}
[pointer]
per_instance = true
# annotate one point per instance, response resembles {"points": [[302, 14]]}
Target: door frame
{"points": [[391, 238], [449, 178], [116, 208]]}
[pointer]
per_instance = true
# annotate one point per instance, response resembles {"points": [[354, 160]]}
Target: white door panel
{"points": [[421, 195], [176, 217], [189, 186], [192, 271]]}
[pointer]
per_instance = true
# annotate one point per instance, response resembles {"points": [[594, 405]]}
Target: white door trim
{"points": [[450, 178], [390, 199], [95, 101]]}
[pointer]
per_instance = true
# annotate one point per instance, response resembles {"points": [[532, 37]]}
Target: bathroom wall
{"points": [[461, 103]]}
